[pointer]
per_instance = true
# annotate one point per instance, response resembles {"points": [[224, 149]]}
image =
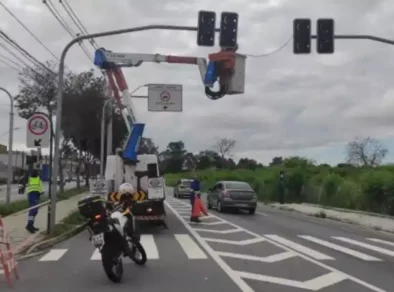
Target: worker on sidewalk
{"points": [[34, 189], [196, 192]]}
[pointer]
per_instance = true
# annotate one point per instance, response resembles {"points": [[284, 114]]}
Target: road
{"points": [[274, 250], [16, 197]]}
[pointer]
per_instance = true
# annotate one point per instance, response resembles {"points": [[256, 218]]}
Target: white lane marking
{"points": [[381, 241], [96, 256], [314, 285], [148, 242], [207, 223], [367, 246], [53, 255], [298, 247], [268, 259], [191, 249], [235, 242], [261, 214], [218, 231], [336, 247], [236, 276]]}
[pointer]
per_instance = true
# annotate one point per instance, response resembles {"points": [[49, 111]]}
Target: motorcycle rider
{"points": [[126, 193]]}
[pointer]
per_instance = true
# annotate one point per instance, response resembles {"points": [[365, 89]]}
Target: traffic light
{"points": [[325, 36], [206, 28], [302, 36], [228, 30]]}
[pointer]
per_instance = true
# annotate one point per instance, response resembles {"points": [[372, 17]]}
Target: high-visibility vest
{"points": [[34, 185]]}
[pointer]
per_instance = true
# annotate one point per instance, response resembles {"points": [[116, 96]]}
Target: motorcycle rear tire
{"points": [[108, 257], [137, 246]]}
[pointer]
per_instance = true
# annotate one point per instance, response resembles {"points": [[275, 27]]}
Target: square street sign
{"points": [[165, 98]]}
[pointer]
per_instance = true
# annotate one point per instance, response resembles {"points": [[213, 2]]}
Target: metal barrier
{"points": [[7, 257]]}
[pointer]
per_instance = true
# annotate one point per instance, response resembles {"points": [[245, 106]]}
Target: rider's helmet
{"points": [[126, 190]]}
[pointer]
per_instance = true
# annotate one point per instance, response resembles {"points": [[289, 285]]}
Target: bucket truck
{"points": [[142, 171]]}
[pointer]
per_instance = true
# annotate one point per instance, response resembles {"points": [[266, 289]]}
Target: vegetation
{"points": [[13, 207], [360, 184], [84, 97]]}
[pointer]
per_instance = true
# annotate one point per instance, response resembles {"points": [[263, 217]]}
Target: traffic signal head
{"points": [[206, 28], [228, 30], [325, 36], [302, 36]]}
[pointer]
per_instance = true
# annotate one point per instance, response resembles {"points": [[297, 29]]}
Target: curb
{"points": [[31, 251], [346, 221]]}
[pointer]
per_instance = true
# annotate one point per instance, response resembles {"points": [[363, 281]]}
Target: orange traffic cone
{"points": [[198, 207]]}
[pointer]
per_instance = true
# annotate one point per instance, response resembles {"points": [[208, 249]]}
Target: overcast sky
{"points": [[293, 105]]}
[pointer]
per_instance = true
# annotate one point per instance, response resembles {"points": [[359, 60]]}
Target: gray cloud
{"points": [[291, 103]]}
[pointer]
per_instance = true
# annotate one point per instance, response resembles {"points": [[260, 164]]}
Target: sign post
{"points": [[165, 98], [38, 136]]}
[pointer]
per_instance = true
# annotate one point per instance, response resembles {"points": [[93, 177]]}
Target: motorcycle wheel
{"points": [[112, 264], [138, 249]]}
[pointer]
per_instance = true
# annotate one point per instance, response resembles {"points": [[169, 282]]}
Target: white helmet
{"points": [[126, 188]]}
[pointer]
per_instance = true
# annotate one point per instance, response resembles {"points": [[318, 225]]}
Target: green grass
{"points": [[13, 207], [70, 222]]}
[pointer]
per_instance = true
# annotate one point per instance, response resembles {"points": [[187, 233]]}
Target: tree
{"points": [[278, 160], [147, 146], [173, 157], [296, 161], [367, 152], [225, 146], [247, 163]]}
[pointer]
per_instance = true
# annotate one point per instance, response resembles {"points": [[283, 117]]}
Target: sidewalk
{"points": [[15, 224], [376, 221]]}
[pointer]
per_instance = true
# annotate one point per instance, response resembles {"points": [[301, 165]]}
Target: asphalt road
{"points": [[274, 250], [16, 197]]}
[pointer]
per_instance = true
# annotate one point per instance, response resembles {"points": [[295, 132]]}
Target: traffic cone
{"points": [[198, 207]]}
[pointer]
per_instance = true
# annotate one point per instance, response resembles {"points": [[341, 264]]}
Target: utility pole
{"points": [[10, 141]]}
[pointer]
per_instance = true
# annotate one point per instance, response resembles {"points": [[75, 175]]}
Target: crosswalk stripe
{"points": [[300, 248], [53, 255], [333, 246], [365, 245], [96, 256], [190, 247], [381, 241], [148, 242]]}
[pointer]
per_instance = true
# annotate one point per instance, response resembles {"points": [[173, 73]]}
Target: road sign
{"points": [[38, 131], [97, 186], [165, 98]]}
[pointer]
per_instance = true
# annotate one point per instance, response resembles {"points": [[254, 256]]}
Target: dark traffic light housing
{"points": [[206, 28], [302, 36], [325, 36], [228, 30]]}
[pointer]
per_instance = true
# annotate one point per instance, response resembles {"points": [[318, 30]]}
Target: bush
{"points": [[343, 187]]}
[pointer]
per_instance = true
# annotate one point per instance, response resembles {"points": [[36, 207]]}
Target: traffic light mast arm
{"points": [[361, 37]]}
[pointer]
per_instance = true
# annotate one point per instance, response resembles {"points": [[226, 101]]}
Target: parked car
{"points": [[182, 188], [232, 195]]}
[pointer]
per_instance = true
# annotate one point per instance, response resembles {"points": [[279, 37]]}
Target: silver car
{"points": [[232, 194], [182, 188]]}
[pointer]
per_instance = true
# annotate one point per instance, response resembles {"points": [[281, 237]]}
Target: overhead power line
{"points": [[77, 21], [11, 66], [51, 7], [29, 31], [10, 60], [22, 50]]}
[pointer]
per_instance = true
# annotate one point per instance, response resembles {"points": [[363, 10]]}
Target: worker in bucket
{"points": [[196, 193], [34, 190]]}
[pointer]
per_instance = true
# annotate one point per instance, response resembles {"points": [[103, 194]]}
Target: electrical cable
{"points": [[28, 30], [64, 24], [10, 60], [271, 53], [12, 67]]}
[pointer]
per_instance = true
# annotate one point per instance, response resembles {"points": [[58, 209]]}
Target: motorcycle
{"points": [[108, 233]]}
